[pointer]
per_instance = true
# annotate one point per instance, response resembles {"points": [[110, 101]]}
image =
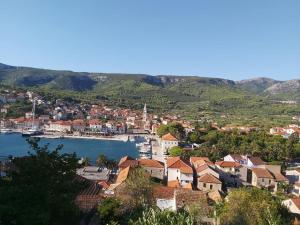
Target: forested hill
{"points": [[186, 94]]}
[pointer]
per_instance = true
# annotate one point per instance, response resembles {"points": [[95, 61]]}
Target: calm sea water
{"points": [[16, 145]]}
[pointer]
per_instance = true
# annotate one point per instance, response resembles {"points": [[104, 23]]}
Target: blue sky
{"points": [[233, 39]]}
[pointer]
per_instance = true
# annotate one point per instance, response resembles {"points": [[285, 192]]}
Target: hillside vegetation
{"points": [[227, 101]]}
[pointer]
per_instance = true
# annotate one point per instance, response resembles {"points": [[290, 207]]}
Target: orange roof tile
{"points": [[177, 162], [227, 164], [202, 168], [279, 177], [150, 163], [169, 137], [127, 161], [172, 160], [262, 173], [163, 192], [257, 161], [122, 176], [197, 158], [296, 201], [208, 178]]}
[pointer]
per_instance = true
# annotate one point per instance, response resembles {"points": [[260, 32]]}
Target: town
{"points": [[179, 177]]}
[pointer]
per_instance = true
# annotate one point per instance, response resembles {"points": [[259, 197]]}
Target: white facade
{"points": [[296, 190], [176, 174], [166, 145], [291, 206], [60, 127]]}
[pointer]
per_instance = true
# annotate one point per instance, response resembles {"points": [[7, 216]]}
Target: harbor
{"points": [[14, 144]]}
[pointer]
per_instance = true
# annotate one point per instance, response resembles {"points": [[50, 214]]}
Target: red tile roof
{"points": [[257, 161], [122, 176], [279, 177], [262, 173], [150, 163], [208, 178], [202, 168], [127, 161], [169, 137], [196, 158], [178, 163], [227, 164], [296, 201], [163, 192]]}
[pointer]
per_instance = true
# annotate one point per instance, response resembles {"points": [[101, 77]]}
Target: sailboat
{"points": [[34, 130]]}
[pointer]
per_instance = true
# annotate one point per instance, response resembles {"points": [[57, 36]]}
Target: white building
{"points": [[293, 205], [178, 170], [168, 141]]}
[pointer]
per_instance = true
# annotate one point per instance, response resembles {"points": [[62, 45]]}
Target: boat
{"points": [[139, 145], [34, 130], [131, 138], [145, 156], [6, 131]]}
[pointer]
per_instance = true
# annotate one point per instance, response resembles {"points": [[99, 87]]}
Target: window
{"points": [[269, 181], [262, 180], [204, 184], [210, 186]]}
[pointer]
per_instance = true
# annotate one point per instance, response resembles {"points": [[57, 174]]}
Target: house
{"points": [[293, 205], [293, 175], [178, 169], [168, 141], [94, 173], [89, 198], [296, 189], [209, 182], [60, 126], [206, 169], [197, 161], [236, 158], [127, 161], [164, 197], [261, 178], [177, 198], [155, 168], [117, 187], [255, 162], [78, 125], [233, 173], [95, 125]]}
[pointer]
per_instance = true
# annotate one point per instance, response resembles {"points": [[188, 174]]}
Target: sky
{"points": [[233, 39]]}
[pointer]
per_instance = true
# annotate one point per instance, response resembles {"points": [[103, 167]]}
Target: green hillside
{"points": [[195, 97]]}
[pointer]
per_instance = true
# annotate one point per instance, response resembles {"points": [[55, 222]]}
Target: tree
{"points": [[139, 187], [110, 210], [252, 207], [155, 216], [41, 189], [175, 151], [176, 129], [103, 161]]}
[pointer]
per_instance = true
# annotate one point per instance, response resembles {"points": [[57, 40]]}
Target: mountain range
{"points": [[82, 81], [162, 92]]}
